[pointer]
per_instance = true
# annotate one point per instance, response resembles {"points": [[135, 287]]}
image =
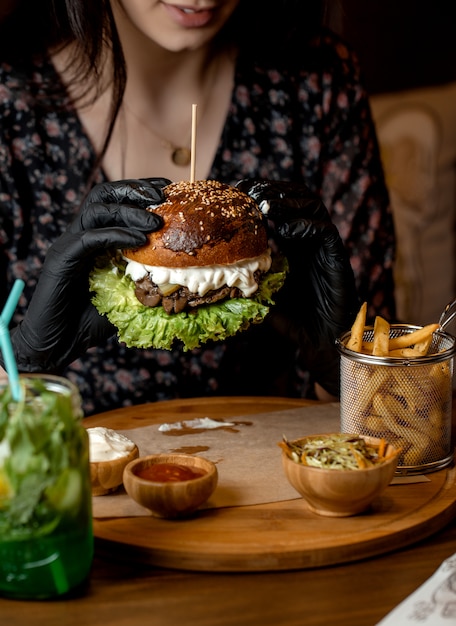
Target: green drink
{"points": [[46, 539]]}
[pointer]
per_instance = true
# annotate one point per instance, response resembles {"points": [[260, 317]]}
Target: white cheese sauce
{"points": [[205, 423], [200, 280], [106, 444]]}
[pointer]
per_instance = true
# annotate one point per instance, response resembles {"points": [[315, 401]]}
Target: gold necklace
{"points": [[180, 155]]}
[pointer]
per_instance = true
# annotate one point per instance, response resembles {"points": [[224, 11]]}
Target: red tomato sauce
{"points": [[169, 472]]}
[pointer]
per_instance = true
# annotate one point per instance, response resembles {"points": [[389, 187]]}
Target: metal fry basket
{"points": [[407, 401]]}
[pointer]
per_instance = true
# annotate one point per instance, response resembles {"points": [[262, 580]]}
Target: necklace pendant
{"points": [[181, 156]]}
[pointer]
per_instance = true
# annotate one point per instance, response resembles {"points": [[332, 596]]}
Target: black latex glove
{"points": [[61, 323], [318, 301]]}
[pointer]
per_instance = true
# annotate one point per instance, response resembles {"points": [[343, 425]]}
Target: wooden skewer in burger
{"points": [[205, 275]]}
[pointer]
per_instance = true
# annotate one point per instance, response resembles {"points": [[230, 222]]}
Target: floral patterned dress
{"points": [[311, 123]]}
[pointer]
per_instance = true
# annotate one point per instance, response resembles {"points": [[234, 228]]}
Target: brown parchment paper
{"points": [[247, 456]]}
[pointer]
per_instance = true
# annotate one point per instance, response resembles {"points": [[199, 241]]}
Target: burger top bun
{"points": [[204, 223]]}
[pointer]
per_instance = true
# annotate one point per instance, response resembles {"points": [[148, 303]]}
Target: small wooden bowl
{"points": [[171, 499], [107, 476], [339, 493]]}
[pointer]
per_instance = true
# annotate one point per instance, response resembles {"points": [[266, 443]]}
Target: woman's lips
{"points": [[189, 17]]}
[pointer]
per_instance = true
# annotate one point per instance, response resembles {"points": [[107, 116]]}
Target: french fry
{"points": [[432, 381], [416, 453], [375, 425], [367, 347], [357, 330], [370, 383], [422, 347], [412, 353], [410, 339], [381, 337], [396, 382], [389, 407]]}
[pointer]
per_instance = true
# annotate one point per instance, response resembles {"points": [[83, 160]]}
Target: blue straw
{"points": [[12, 301], [5, 339]]}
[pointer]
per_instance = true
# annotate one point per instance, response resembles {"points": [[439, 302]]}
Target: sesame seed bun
{"points": [[205, 223]]}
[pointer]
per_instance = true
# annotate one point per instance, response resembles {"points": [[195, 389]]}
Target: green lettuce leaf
{"points": [[141, 326]]}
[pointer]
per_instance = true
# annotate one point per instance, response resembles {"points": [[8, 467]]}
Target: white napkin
{"points": [[432, 604]]}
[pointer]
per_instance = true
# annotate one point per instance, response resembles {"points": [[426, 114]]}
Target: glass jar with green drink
{"points": [[46, 538]]}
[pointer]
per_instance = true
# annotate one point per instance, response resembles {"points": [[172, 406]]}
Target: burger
{"points": [[207, 274]]}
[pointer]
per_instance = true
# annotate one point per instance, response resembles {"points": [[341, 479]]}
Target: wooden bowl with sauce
{"points": [[170, 485], [110, 452]]}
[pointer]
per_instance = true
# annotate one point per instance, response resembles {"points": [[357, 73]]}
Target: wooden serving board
{"points": [[277, 536]]}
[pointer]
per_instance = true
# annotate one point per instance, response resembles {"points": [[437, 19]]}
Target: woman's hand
{"points": [[318, 301], [61, 323]]}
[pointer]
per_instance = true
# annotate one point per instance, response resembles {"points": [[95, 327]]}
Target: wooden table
{"points": [[124, 594]]}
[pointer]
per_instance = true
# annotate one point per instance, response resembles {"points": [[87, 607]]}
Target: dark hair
{"points": [[262, 31]]}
